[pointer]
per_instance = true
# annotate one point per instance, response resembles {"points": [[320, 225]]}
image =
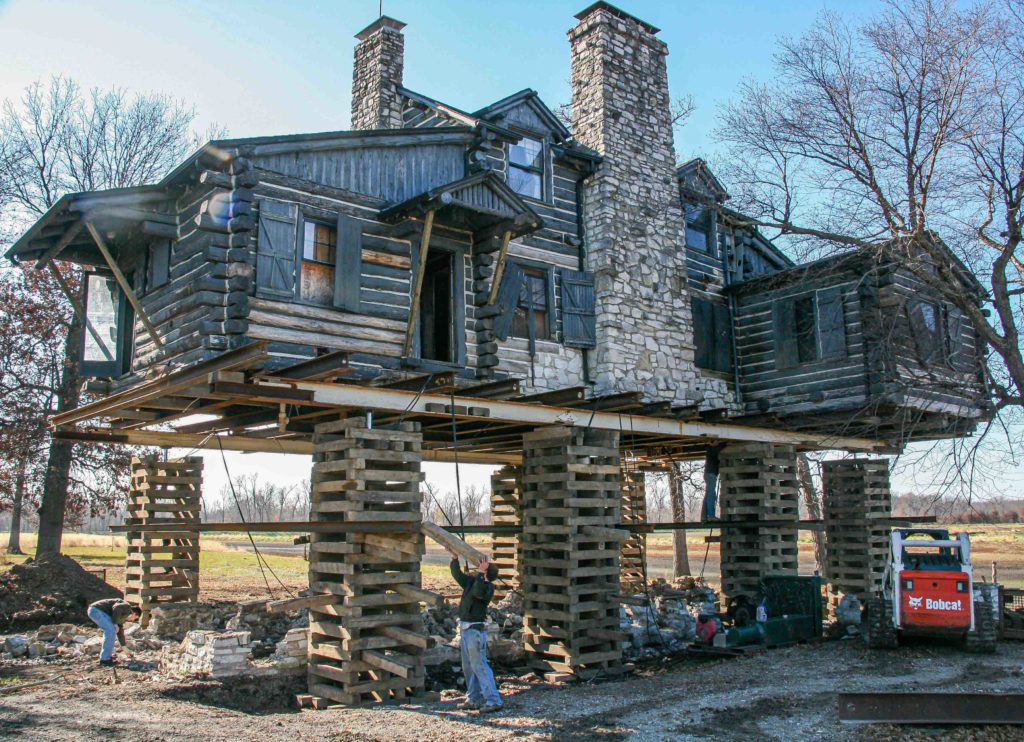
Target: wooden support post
{"points": [[163, 566], [410, 330], [59, 245], [499, 268], [634, 549], [125, 286], [506, 510]]}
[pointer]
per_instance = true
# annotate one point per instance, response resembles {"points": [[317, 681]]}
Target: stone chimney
{"points": [[376, 75], [633, 220]]}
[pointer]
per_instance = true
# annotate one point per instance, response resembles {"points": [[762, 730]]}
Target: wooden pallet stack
{"points": [[570, 564], [634, 549], [163, 567], [367, 646], [856, 498], [758, 483], [506, 548]]}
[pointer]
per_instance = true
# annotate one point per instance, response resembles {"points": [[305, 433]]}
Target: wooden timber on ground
{"points": [[857, 513], [506, 510], [634, 548], [570, 578], [163, 567], [759, 482], [366, 646]]}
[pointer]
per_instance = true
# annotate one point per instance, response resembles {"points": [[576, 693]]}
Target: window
{"points": [[319, 246], [699, 221], [107, 346], [526, 168], [926, 328], [809, 328], [532, 308]]}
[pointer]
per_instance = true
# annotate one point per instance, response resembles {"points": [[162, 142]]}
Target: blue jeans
{"points": [[106, 623], [480, 685]]}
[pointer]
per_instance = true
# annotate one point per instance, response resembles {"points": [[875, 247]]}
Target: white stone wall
{"points": [[633, 218]]}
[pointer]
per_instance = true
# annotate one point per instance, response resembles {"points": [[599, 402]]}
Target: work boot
{"points": [[109, 663], [468, 705], [490, 708]]}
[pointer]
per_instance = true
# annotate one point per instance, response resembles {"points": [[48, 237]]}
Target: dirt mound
{"points": [[51, 589]]}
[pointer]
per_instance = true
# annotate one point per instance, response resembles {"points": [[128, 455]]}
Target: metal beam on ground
{"points": [[931, 708]]}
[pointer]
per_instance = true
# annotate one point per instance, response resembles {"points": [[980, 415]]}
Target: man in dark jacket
{"points": [[477, 593], [111, 615]]}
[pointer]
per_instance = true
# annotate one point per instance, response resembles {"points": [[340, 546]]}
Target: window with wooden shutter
{"points": [[508, 299], [954, 345], [275, 251], [831, 324], [158, 265], [579, 316], [349, 266]]}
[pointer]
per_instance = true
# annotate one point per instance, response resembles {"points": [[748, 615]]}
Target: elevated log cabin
{"points": [[503, 246]]}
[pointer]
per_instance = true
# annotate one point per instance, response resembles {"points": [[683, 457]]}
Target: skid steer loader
{"points": [[928, 590]]}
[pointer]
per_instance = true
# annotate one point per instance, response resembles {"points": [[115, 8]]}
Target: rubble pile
{"points": [[48, 590]]}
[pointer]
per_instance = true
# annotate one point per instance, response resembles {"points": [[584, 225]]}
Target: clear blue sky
{"points": [[271, 67]]}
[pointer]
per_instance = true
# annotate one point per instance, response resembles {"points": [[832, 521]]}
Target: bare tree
{"points": [[883, 136], [55, 140]]}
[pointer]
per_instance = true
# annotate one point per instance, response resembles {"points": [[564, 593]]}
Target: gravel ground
{"points": [[785, 694]]}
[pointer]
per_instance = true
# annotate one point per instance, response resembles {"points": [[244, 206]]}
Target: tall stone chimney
{"points": [[376, 75], [633, 220]]}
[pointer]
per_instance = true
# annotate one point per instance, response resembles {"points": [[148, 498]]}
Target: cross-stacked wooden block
{"points": [[570, 566], [634, 548], [163, 567], [367, 645], [506, 497]]}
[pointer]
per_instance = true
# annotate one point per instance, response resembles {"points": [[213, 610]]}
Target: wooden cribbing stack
{"points": [[163, 567], [759, 482], [634, 548], [570, 565], [366, 646], [506, 549], [857, 503]]}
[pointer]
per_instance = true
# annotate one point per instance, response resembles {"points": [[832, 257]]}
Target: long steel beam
{"points": [[931, 708], [397, 400]]}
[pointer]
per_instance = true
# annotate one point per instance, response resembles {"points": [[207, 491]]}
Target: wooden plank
{"points": [[451, 542], [410, 329], [404, 635], [499, 268], [424, 596], [391, 663], [307, 601]]}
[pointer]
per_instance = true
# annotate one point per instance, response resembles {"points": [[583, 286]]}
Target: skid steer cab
{"points": [[928, 590]]}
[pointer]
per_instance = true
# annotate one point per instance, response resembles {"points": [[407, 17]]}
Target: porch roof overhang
{"points": [[482, 203], [60, 232]]}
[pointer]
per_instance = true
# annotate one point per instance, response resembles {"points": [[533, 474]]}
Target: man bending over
{"points": [[110, 615]]}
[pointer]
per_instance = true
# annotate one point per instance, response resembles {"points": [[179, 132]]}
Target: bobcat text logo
{"points": [[934, 604]]}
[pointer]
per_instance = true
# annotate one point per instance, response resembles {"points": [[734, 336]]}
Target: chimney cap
{"points": [[601, 5], [382, 22]]}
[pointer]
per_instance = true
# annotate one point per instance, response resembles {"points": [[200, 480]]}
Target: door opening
{"points": [[437, 309]]}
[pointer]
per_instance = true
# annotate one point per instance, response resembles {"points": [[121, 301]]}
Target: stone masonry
{"points": [[379, 60], [634, 222]]}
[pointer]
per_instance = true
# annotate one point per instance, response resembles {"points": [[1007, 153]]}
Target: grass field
{"points": [[229, 570]]}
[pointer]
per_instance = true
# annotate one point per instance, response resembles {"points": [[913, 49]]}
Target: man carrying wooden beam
{"points": [[477, 593]]}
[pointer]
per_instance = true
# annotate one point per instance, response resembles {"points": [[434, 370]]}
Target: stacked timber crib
{"points": [[634, 548], [367, 645], [857, 506], [759, 483], [163, 567], [506, 548], [570, 566]]}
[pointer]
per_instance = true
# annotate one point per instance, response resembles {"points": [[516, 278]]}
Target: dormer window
{"points": [[699, 227], [526, 168]]}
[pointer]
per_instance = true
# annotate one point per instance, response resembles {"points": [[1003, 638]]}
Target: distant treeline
{"points": [[957, 510]]}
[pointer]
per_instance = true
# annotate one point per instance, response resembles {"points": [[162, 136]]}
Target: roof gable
{"points": [[696, 178], [525, 110]]}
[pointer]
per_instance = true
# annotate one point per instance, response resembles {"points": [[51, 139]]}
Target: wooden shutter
{"points": [[784, 327], [703, 332], [954, 343], [159, 264], [721, 352], [508, 298], [348, 263], [579, 317], [275, 250], [831, 324]]}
